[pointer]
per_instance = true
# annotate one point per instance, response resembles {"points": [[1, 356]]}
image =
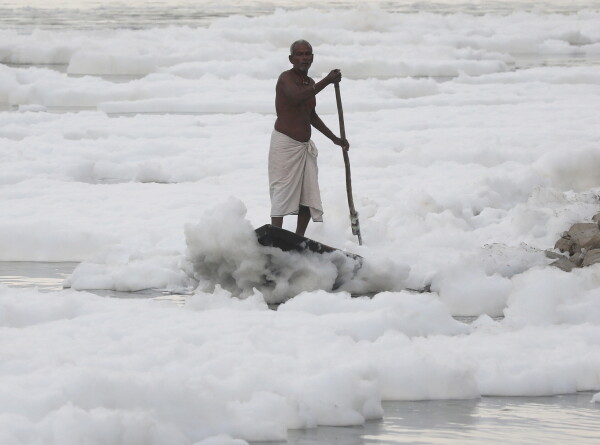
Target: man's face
{"points": [[302, 58]]}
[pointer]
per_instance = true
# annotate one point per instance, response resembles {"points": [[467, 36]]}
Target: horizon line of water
{"points": [[27, 15]]}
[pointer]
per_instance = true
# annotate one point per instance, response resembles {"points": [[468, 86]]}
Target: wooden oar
{"points": [[353, 213]]}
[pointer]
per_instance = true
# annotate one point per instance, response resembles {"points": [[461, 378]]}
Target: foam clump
{"points": [[132, 267], [222, 299], [221, 439], [223, 250], [32, 108], [370, 318], [480, 282], [19, 309], [550, 296], [473, 292]]}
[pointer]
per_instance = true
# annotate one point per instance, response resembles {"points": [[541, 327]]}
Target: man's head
{"points": [[301, 55]]}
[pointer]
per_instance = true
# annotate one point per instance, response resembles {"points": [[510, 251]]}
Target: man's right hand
{"points": [[334, 76]]}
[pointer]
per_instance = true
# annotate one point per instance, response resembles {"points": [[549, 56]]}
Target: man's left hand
{"points": [[342, 143]]}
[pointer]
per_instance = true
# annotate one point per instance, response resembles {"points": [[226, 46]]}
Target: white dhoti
{"points": [[293, 178]]}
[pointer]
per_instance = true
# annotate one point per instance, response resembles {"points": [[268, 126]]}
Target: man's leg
{"points": [[303, 220], [277, 221]]}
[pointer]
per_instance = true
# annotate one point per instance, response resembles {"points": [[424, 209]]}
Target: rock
{"points": [[593, 243], [564, 263], [591, 257], [553, 255], [566, 245], [577, 258], [582, 233], [581, 242]]}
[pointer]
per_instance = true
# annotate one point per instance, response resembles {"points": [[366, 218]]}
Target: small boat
{"points": [[271, 236]]}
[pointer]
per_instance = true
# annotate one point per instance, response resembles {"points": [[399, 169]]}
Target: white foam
{"points": [[461, 183], [89, 368], [223, 250], [551, 296]]}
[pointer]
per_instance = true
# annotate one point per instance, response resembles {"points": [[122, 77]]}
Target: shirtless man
{"points": [[293, 183]]}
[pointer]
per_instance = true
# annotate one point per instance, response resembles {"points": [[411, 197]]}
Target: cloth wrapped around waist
{"points": [[293, 176]]}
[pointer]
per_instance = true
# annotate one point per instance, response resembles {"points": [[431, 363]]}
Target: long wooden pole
{"points": [[353, 213]]}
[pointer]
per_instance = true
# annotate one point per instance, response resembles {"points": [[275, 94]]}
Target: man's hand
{"points": [[334, 76], [342, 143]]}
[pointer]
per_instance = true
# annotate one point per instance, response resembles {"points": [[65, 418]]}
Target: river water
{"points": [[138, 14], [489, 420]]}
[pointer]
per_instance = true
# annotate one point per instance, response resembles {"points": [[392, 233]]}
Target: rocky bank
{"points": [[579, 246]]}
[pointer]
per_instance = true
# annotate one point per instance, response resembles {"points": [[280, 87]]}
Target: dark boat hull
{"points": [[285, 240]]}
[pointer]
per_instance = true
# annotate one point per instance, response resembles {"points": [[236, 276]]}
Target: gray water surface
{"points": [[50, 277], [41, 275], [562, 419], [26, 15]]}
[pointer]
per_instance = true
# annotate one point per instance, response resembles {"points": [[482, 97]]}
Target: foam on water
{"points": [[461, 185], [224, 251], [136, 371]]}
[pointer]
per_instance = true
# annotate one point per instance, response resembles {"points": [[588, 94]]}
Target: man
{"points": [[293, 182]]}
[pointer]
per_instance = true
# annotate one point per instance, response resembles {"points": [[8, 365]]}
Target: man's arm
{"points": [[290, 88], [316, 122]]}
